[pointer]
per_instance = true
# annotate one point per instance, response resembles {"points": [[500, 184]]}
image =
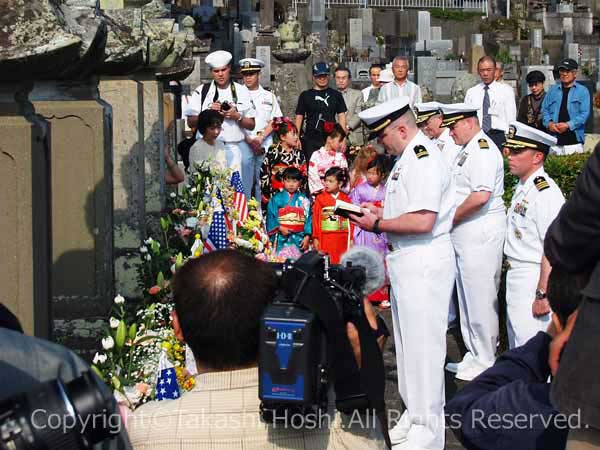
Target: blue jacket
{"points": [[578, 106], [508, 407]]}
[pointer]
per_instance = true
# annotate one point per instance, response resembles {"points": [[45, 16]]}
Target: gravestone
{"points": [[246, 37], [355, 30], [436, 33], [537, 38], [423, 26], [267, 15], [112, 4], [359, 70], [263, 52], [443, 84], [316, 19], [25, 236], [477, 39], [367, 21], [573, 51], [476, 53], [426, 72]]}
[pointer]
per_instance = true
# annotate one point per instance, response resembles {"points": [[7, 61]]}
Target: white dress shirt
{"points": [[531, 212], [503, 107], [480, 169], [394, 89]]}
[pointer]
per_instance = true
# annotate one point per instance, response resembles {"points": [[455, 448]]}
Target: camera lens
{"points": [[225, 106]]}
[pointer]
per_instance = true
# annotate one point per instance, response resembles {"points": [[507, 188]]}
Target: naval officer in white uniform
{"points": [[416, 217], [429, 119], [261, 137], [536, 201], [232, 100], [477, 236]]}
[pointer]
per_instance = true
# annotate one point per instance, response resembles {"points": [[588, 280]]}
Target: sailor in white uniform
{"points": [[232, 100], [261, 137], [535, 204], [477, 236], [416, 217]]}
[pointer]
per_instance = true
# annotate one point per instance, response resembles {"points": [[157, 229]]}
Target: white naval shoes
{"points": [[398, 434], [406, 445], [469, 373], [466, 362]]}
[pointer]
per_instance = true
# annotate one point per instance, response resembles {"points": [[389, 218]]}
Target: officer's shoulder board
{"points": [[421, 151], [483, 144], [540, 183]]}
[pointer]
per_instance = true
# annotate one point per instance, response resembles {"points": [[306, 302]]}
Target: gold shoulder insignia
{"points": [[483, 143], [540, 183], [421, 151]]}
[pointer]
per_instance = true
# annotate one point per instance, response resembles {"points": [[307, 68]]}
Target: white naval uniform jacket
{"points": [[267, 108], [535, 204]]}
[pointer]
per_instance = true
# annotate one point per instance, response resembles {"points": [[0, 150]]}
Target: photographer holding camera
{"points": [[219, 300], [235, 104]]}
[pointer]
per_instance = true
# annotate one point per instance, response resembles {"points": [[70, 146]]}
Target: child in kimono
{"points": [[332, 234], [285, 153], [373, 191], [330, 155], [289, 221]]}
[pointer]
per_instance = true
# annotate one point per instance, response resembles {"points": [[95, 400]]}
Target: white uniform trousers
{"points": [[233, 156], [422, 278], [521, 282], [478, 245], [251, 163]]}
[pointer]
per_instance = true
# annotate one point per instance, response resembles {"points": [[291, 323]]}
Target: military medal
{"points": [[518, 234]]}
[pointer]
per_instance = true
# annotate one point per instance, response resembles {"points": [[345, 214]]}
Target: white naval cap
{"points": [[524, 137], [424, 111], [386, 76], [251, 65], [380, 116], [455, 112], [218, 59]]}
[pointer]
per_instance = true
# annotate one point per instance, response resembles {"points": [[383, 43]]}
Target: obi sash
{"points": [[292, 217], [331, 221]]}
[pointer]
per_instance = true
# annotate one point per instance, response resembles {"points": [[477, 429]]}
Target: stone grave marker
{"points": [[263, 52], [356, 33]]}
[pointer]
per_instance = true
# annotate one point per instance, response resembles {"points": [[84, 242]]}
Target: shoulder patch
{"points": [[540, 183], [421, 151], [483, 143]]}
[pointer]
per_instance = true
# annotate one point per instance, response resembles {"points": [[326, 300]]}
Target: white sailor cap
{"points": [[455, 112], [218, 59], [523, 137], [380, 116], [424, 111], [386, 76], [251, 65]]}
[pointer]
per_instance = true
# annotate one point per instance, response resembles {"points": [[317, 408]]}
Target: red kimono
{"points": [[333, 232]]}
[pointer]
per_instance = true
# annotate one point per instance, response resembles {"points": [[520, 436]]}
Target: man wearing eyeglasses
{"points": [[536, 202], [565, 110]]}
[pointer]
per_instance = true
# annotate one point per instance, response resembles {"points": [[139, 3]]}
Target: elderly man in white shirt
{"points": [[495, 102], [401, 86], [233, 101], [261, 137]]}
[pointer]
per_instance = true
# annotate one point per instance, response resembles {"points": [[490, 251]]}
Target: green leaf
{"points": [[179, 260], [155, 247], [164, 224], [120, 335], [116, 382], [98, 372], [160, 280]]}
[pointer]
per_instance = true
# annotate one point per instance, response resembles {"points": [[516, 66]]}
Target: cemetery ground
{"points": [[392, 397]]}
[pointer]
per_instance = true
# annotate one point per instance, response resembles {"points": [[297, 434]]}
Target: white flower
{"points": [[148, 241], [114, 322], [191, 222], [99, 358], [173, 195], [148, 258], [143, 249], [119, 299], [194, 190], [108, 343]]}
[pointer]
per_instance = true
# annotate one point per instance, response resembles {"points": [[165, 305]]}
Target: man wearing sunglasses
{"points": [[565, 110], [536, 202]]}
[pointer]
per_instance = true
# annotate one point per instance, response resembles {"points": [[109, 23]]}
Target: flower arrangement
{"points": [[137, 333]]}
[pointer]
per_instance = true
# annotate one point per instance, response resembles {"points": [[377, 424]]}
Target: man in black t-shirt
{"points": [[315, 107]]}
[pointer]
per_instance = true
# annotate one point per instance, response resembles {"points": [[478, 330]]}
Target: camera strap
{"points": [[216, 92], [372, 376]]}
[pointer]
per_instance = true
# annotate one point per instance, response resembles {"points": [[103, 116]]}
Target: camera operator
{"points": [[235, 104], [26, 362], [219, 300], [416, 218]]}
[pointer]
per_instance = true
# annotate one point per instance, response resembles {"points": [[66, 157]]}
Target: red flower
{"points": [[154, 290], [328, 127]]}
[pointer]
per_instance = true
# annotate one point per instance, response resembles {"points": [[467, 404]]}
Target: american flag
{"points": [[239, 198], [167, 387], [217, 234]]}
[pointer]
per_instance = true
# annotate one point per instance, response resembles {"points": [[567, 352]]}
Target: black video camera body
{"points": [[225, 106], [304, 346]]}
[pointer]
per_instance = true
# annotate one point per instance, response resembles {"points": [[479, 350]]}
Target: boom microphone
{"points": [[371, 261]]}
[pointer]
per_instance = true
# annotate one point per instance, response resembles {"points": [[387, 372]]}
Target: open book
{"points": [[343, 209]]}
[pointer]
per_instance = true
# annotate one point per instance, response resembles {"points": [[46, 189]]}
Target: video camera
{"points": [[304, 346], [54, 416]]}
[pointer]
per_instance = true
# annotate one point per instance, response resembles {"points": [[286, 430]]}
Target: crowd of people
{"points": [[428, 180]]}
